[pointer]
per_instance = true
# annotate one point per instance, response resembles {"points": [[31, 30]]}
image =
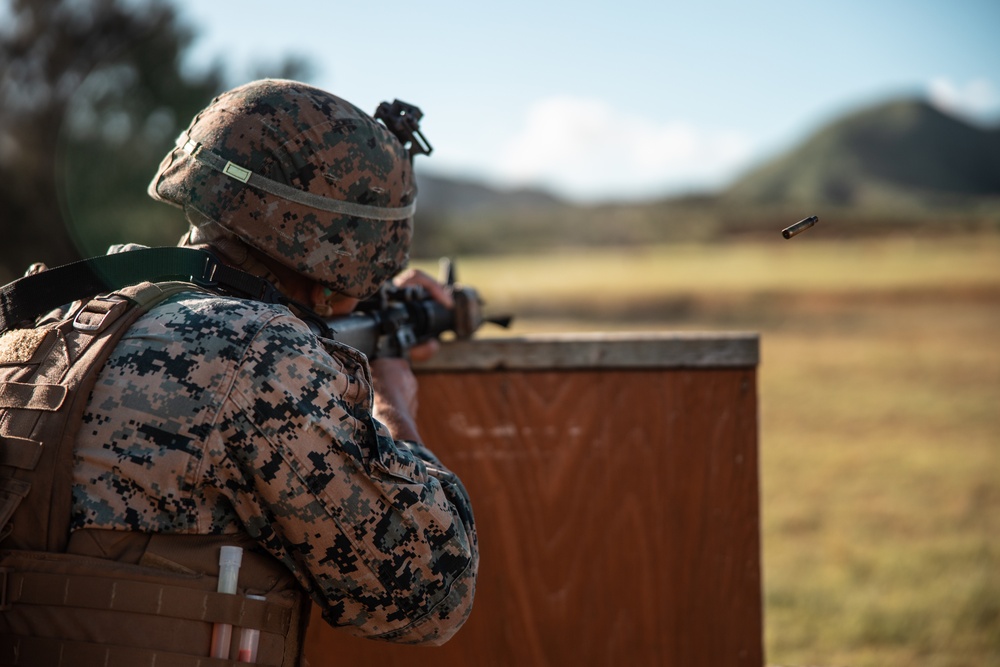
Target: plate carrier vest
{"points": [[99, 597]]}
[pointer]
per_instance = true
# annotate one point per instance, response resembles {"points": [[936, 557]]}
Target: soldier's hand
{"points": [[438, 292]]}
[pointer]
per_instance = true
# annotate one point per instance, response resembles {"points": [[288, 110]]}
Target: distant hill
{"points": [[899, 152], [439, 195], [903, 153], [458, 216], [898, 165]]}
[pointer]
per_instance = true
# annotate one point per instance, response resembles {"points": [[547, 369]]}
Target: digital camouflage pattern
{"points": [[217, 415], [319, 144]]}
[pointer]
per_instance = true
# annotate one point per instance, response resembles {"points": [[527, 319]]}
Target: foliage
{"points": [[902, 155], [93, 96], [635, 226]]}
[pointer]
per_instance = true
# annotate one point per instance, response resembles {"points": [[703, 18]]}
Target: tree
{"points": [[93, 96]]}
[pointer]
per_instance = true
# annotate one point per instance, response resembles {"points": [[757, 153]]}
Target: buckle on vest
{"points": [[4, 602], [98, 313]]}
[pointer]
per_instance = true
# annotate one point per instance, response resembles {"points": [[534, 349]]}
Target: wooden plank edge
{"points": [[598, 350]]}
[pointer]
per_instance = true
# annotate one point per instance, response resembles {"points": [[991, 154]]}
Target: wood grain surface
{"points": [[617, 513]]}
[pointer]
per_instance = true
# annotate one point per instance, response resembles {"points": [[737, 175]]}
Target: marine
{"points": [[169, 419]]}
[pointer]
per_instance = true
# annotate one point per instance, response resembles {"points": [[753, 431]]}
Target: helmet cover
{"points": [[302, 176]]}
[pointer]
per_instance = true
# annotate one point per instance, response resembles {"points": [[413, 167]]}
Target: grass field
{"points": [[880, 422]]}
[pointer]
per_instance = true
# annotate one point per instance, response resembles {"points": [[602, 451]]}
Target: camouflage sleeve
{"points": [[379, 533]]}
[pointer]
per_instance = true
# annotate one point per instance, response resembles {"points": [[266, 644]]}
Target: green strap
{"points": [[209, 158], [25, 299]]}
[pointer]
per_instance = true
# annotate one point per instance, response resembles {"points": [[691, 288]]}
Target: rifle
{"points": [[397, 318]]}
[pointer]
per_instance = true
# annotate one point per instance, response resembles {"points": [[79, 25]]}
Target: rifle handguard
{"points": [[396, 319]]}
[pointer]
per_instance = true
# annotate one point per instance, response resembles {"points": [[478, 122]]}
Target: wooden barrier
{"points": [[614, 483]]}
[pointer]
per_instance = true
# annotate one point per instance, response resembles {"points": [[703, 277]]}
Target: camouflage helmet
{"points": [[300, 175]]}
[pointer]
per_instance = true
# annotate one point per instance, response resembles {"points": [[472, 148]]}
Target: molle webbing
{"points": [[46, 375], [70, 610], [42, 651], [137, 597], [79, 600]]}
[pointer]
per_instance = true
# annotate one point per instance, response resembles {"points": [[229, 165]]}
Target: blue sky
{"points": [[622, 99]]}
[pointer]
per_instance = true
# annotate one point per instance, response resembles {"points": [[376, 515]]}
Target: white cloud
{"points": [[978, 99], [588, 150]]}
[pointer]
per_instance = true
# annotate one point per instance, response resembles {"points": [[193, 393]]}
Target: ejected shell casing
{"points": [[799, 227]]}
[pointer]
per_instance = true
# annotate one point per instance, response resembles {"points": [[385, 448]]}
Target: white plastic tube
{"points": [[230, 559], [249, 639]]}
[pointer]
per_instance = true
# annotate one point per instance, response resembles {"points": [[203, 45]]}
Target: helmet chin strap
{"points": [[234, 252], [207, 234]]}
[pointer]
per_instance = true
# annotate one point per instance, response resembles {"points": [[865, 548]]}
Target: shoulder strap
{"points": [[42, 399], [25, 299]]}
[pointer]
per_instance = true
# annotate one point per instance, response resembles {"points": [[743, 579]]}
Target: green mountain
{"points": [[894, 166], [440, 195], [903, 153]]}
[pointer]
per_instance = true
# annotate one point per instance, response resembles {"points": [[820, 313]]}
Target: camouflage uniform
{"points": [[219, 419], [228, 419], [217, 415]]}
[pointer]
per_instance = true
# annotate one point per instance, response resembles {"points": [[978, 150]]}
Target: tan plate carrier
{"points": [[97, 597]]}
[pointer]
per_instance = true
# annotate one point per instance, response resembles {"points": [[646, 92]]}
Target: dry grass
{"points": [[880, 489], [880, 422]]}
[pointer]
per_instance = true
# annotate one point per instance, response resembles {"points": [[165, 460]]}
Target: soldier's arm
{"points": [[377, 531]]}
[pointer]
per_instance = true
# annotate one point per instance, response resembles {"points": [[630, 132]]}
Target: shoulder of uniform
{"points": [[231, 312]]}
